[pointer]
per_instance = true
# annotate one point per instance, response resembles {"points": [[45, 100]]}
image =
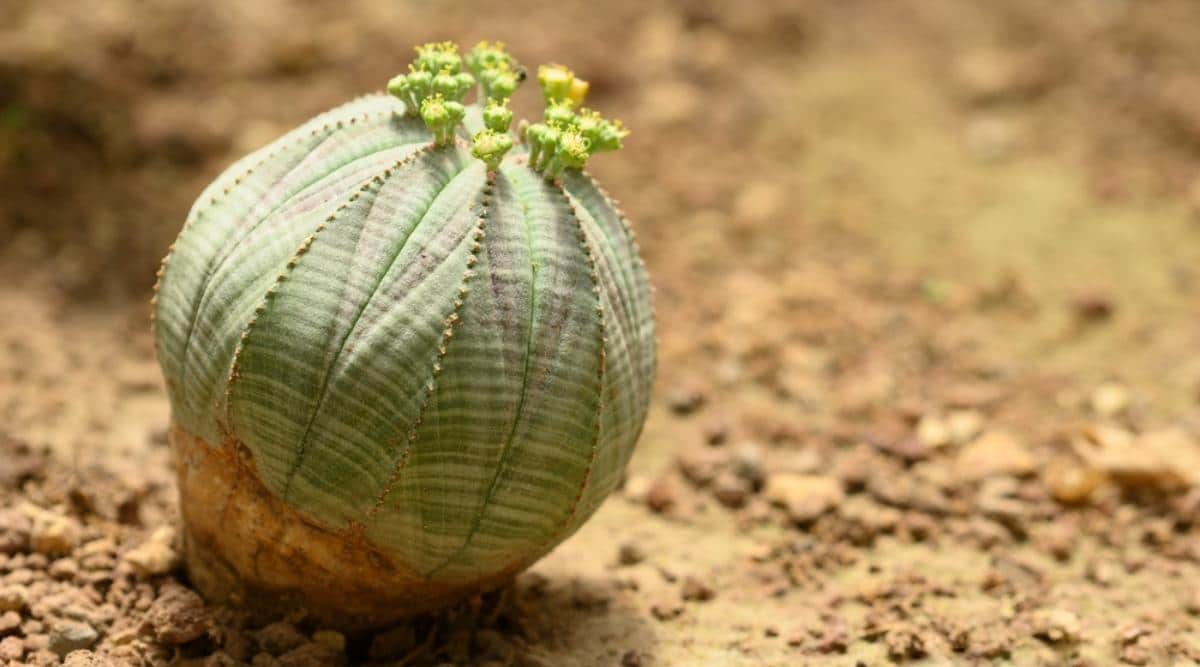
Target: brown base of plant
{"points": [[245, 548]]}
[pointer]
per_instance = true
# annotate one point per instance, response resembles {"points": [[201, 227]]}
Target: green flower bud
{"points": [[555, 81], [501, 84], [452, 86], [441, 117], [465, 81], [485, 55], [433, 111], [559, 113], [435, 57], [490, 146], [398, 86], [603, 134], [573, 149], [420, 83], [497, 116], [578, 90]]}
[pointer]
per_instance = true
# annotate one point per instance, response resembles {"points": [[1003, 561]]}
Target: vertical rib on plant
{"points": [[439, 339]]}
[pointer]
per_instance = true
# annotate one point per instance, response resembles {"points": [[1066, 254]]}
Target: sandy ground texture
{"points": [[928, 294]]}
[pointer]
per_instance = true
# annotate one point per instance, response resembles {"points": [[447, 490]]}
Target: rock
{"points": [[685, 400], [716, 432], [155, 556], [1092, 307], [50, 533], [311, 655], [905, 643], [64, 569], [394, 643], [869, 515], [68, 636], [934, 431], [1070, 483], [963, 425], [1057, 626], [331, 638], [636, 487], [695, 590], [747, 463], [1167, 458], [661, 496], [13, 598], [178, 616], [666, 609], [14, 532], [279, 638], [629, 553], [994, 453], [908, 449], [700, 465], [730, 490], [1110, 399], [804, 497], [11, 649], [1103, 571], [631, 658], [10, 623]]}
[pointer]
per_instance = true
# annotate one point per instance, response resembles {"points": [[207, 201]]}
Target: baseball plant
{"points": [[408, 349]]}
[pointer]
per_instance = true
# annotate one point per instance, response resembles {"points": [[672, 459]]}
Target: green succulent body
{"points": [[453, 361]]}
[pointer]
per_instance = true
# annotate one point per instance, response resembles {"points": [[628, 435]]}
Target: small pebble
{"points": [[804, 497], [11, 649], [661, 496], [155, 556], [1110, 399], [64, 569], [730, 490], [51, 533], [279, 638], [629, 553], [10, 623], [695, 590], [685, 400], [666, 609], [1056, 626], [177, 616], [331, 638], [13, 598], [67, 636]]}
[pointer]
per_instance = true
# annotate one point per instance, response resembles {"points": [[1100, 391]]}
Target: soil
{"points": [[927, 294]]}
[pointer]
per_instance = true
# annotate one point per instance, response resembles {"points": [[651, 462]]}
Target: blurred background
{"points": [[911, 250]]}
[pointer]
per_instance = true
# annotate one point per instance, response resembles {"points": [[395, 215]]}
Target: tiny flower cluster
{"points": [[498, 73], [436, 84], [567, 138], [434, 88]]}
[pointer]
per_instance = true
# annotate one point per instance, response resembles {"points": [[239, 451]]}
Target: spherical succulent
{"points": [[407, 352]]}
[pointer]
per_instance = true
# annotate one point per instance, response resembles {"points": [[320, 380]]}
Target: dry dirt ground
{"points": [[928, 297]]}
